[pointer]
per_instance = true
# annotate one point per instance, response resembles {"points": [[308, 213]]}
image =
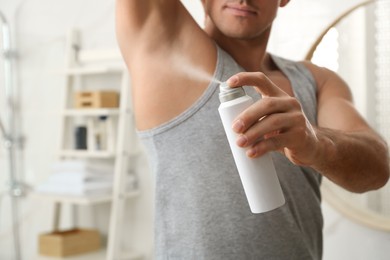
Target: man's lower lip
{"points": [[239, 12]]}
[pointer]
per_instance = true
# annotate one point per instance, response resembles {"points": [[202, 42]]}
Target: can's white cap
{"points": [[227, 93]]}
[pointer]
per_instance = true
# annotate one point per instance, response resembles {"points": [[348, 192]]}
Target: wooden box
{"points": [[96, 99], [69, 242]]}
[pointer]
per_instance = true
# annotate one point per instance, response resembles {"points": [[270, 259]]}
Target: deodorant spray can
{"points": [[258, 175]]}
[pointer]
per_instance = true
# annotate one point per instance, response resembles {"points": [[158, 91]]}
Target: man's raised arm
{"points": [[140, 22]]}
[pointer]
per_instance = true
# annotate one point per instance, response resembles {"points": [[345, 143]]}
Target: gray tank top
{"points": [[201, 211]]}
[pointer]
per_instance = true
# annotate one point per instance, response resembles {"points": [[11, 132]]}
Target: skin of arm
{"points": [[135, 20], [342, 147], [157, 39]]}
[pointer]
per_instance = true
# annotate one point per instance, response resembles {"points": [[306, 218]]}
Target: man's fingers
{"points": [[256, 79], [274, 143], [267, 127]]}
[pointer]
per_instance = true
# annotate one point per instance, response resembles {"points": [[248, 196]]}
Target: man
{"points": [[305, 118]]}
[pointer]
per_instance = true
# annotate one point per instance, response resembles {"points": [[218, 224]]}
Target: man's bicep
{"points": [[335, 106]]}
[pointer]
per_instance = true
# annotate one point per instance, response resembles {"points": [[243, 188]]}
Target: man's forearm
{"points": [[357, 161]]}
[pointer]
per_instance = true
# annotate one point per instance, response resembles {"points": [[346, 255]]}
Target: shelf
{"points": [[92, 112], [95, 70], [98, 255], [87, 154], [73, 199], [81, 200]]}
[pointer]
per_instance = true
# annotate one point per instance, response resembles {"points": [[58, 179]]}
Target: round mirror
{"points": [[356, 46]]}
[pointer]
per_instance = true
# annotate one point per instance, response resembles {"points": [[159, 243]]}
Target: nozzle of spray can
{"points": [[258, 175], [227, 93]]}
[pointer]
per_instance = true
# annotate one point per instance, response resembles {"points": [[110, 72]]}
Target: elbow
{"points": [[376, 183], [373, 180], [384, 176], [378, 179]]}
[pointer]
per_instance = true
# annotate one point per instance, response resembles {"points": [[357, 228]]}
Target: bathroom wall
{"points": [[40, 28]]}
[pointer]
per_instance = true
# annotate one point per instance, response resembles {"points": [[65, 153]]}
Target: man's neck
{"points": [[249, 54]]}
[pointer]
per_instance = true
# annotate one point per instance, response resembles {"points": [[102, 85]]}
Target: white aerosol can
{"points": [[258, 175]]}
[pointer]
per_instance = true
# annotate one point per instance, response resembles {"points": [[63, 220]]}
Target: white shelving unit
{"points": [[121, 145]]}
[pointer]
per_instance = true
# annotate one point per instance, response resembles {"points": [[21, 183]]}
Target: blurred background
{"points": [[45, 37]]}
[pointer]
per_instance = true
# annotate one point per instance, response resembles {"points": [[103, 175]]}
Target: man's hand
{"points": [[342, 147], [274, 123]]}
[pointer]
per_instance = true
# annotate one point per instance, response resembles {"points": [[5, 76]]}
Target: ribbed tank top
{"points": [[201, 211]]}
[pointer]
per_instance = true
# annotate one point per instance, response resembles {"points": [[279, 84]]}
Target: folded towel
{"points": [[84, 189], [82, 166], [79, 177]]}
